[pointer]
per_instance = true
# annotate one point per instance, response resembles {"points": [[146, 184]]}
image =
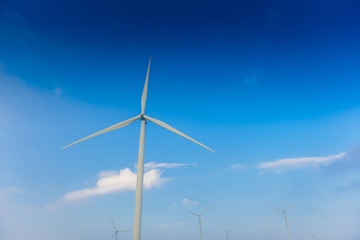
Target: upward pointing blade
{"points": [[290, 206], [113, 224], [116, 126], [205, 210], [168, 127], [144, 94]]}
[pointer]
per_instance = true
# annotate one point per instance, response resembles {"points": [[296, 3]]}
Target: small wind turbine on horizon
{"points": [[199, 216], [357, 210], [286, 219], [313, 236], [140, 169], [227, 231], [116, 231]]}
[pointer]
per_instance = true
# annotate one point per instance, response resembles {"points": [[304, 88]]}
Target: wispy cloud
{"points": [[237, 166], [7, 192], [10, 190], [188, 203], [123, 180], [170, 225], [285, 164], [349, 163], [154, 165]]}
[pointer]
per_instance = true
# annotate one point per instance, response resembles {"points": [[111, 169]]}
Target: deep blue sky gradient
{"points": [[255, 80]]}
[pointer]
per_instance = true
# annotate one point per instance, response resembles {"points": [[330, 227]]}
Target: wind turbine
{"points": [[227, 231], [140, 169], [357, 210], [199, 216], [313, 236], [286, 219], [116, 231]]}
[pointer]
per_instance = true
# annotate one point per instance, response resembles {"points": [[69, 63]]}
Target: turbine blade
{"points": [[113, 223], [116, 126], [125, 231], [311, 235], [113, 236], [278, 209], [168, 127], [192, 212], [144, 94], [290, 205], [205, 210], [222, 228]]}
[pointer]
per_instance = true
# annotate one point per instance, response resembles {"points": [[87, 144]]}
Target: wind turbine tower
{"points": [[285, 216], [140, 170], [199, 216], [227, 232]]}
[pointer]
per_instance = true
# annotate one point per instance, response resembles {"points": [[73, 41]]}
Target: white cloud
{"points": [[187, 202], [238, 166], [9, 190], [301, 162], [154, 165], [178, 224], [125, 180]]}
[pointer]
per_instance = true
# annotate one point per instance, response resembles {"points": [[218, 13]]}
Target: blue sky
{"points": [[271, 86]]}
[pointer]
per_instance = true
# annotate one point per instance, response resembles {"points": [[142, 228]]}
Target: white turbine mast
{"points": [[286, 219], [140, 170], [199, 216], [226, 231]]}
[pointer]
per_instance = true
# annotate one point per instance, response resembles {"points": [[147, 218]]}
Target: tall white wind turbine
{"points": [[116, 231], [227, 231], [199, 216], [285, 216], [140, 170]]}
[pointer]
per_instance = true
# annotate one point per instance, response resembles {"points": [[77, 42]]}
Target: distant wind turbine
{"points": [[357, 210], [313, 236], [116, 231], [199, 216], [227, 231], [286, 219], [140, 169]]}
